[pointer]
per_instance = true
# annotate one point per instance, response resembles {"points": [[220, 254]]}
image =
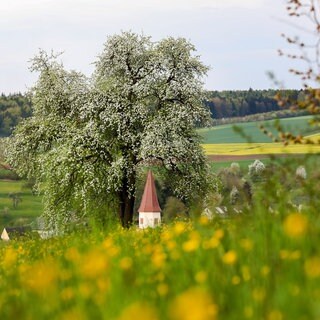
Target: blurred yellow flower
{"points": [[41, 277], [158, 258], [125, 263], [163, 289], [147, 249], [111, 249], [171, 244], [294, 290], [295, 255], [248, 312], [219, 234], [108, 243], [212, 243], [312, 267], [290, 255], [245, 270], [265, 270], [201, 276], [73, 314], [139, 310], [295, 225], [235, 280], [193, 304], [275, 315], [166, 235], [94, 264], [179, 228], [246, 244], [175, 255], [85, 290], [9, 258], [258, 294], [67, 294], [65, 274], [72, 254], [193, 243], [103, 284], [230, 257], [284, 254], [204, 220]]}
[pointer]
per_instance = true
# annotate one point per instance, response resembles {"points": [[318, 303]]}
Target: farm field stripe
{"points": [[258, 148]]}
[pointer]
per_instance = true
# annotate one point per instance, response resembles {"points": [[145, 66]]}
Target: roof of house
{"points": [[149, 202]]}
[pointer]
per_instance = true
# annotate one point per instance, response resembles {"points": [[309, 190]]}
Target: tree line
{"points": [[241, 103], [13, 108], [222, 105]]}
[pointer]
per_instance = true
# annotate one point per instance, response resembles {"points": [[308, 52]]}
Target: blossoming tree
{"points": [[88, 138]]}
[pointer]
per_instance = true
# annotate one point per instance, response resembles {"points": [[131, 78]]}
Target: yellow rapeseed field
{"points": [[259, 148]]}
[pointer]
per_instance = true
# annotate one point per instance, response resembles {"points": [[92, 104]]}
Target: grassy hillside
{"points": [[226, 133], [28, 208]]}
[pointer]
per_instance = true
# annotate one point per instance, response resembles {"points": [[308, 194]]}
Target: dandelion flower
{"points": [[125, 263], [312, 267], [140, 311], [162, 289], [194, 304], [275, 315], [235, 280], [295, 225], [230, 257], [10, 257], [201, 276]]}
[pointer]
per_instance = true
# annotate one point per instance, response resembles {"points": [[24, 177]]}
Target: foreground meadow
{"points": [[261, 265]]}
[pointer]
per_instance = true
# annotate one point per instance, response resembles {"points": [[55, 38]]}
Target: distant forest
{"points": [[230, 104], [13, 108], [222, 104]]}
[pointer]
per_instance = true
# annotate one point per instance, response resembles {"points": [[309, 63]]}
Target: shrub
{"points": [[234, 195], [174, 208], [301, 173], [256, 170], [235, 168]]}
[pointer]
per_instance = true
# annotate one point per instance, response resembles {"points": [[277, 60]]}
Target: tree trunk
{"points": [[127, 200], [128, 212]]}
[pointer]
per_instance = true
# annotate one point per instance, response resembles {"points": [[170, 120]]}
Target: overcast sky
{"points": [[238, 39]]}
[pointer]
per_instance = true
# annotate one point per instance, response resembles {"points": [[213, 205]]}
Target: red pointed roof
{"points": [[149, 202]]}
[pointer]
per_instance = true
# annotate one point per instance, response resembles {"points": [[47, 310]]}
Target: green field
{"points": [[250, 130], [247, 139], [27, 209]]}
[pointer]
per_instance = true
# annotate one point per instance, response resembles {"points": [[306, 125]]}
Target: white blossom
{"points": [[301, 172]]}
